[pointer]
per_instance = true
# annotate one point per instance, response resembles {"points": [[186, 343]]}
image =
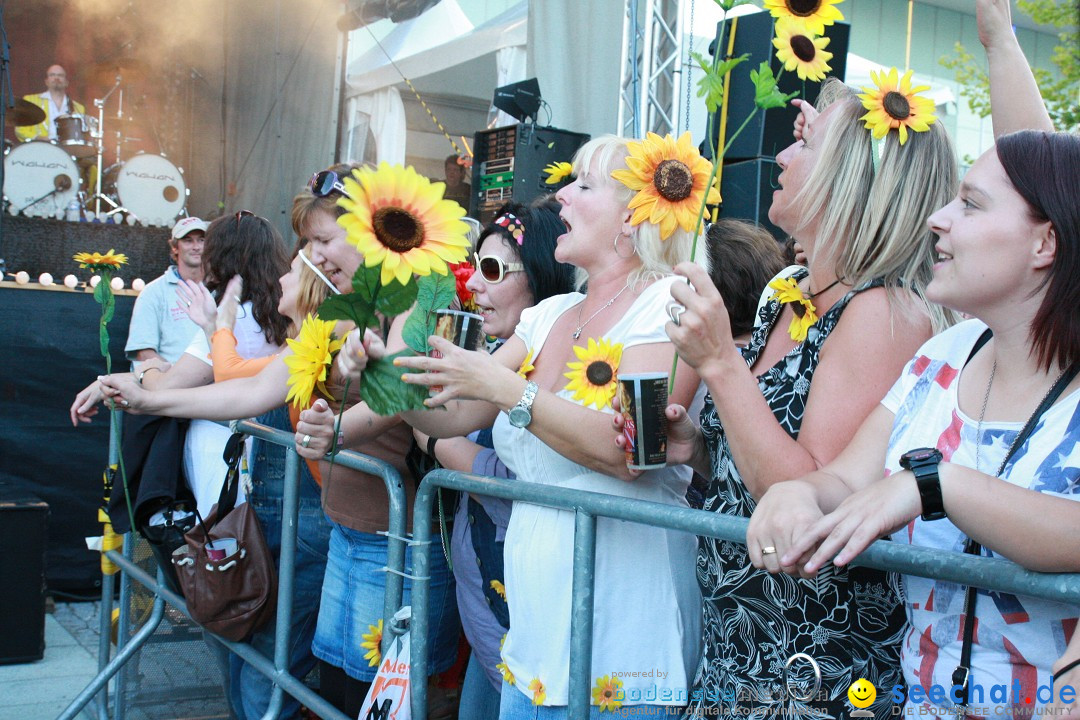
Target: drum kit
{"points": [[45, 178]]}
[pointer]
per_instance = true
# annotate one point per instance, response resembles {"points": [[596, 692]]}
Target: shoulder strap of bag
{"points": [[234, 451], [961, 676]]}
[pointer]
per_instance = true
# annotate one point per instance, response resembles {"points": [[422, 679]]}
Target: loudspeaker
{"points": [[508, 164], [770, 131], [746, 190], [23, 522], [519, 100]]}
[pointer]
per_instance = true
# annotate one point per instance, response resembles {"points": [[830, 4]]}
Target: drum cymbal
{"points": [[24, 113]]}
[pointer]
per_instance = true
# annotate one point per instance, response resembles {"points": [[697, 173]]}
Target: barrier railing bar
{"points": [[108, 582], [989, 573], [276, 670], [123, 629], [581, 622]]}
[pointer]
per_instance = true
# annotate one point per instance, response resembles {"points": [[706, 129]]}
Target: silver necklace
{"points": [[982, 414], [605, 306]]}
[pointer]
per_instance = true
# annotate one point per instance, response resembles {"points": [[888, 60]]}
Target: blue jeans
{"points": [[479, 698], [250, 690]]}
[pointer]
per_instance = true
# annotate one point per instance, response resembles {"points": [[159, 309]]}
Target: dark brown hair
{"points": [[1043, 167], [743, 259], [249, 246]]}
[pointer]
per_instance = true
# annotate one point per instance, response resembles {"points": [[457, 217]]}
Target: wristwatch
{"points": [[521, 414], [923, 462]]}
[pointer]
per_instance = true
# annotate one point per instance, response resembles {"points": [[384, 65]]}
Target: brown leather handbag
{"points": [[225, 569]]}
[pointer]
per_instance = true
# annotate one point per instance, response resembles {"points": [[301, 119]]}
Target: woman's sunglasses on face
{"points": [[493, 269]]}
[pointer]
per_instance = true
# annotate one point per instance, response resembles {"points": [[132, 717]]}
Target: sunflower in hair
{"points": [[894, 104], [815, 13], [398, 219], [800, 51], [670, 178], [592, 379]]}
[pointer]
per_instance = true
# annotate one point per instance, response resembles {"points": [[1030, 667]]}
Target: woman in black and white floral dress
{"points": [[790, 401]]}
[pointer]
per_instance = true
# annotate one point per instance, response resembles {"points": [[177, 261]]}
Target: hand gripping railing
{"points": [[989, 573], [277, 669]]}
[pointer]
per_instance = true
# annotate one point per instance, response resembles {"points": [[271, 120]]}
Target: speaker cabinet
{"points": [[508, 164], [770, 131], [746, 190], [23, 522]]}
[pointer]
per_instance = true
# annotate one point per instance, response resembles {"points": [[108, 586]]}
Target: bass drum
{"points": [[40, 179], [149, 187]]}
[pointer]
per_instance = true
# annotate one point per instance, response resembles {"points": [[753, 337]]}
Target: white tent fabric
{"points": [[387, 123]]}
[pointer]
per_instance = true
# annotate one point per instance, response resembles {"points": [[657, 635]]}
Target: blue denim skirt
{"points": [[352, 599]]}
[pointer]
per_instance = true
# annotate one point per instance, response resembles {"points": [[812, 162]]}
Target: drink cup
{"points": [[644, 398], [459, 327], [222, 548]]}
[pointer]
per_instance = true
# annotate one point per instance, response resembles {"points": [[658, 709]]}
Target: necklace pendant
{"points": [[577, 333]]}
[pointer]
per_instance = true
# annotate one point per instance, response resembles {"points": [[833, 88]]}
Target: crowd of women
{"points": [[914, 378]]}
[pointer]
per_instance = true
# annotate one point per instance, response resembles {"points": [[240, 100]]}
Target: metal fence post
{"points": [[421, 587], [581, 618]]}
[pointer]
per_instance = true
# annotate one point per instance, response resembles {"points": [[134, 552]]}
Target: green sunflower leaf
{"points": [[384, 392], [351, 306], [766, 94], [434, 292]]}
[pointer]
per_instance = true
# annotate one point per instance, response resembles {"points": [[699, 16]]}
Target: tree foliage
{"points": [[1060, 90]]}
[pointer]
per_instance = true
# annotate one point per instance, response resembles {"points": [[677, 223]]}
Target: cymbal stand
{"points": [[100, 137]]}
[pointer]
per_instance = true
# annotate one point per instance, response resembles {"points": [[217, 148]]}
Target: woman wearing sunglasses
{"points": [[356, 503], [514, 270], [549, 431]]}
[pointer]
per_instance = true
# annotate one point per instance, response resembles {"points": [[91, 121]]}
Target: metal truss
{"points": [[652, 62]]}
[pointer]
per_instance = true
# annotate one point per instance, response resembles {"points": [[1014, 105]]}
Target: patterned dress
{"points": [[850, 621]]}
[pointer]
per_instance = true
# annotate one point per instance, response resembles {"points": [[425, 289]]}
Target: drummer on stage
{"points": [[55, 102]]}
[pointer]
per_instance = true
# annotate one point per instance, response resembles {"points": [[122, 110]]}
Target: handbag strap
{"points": [[961, 676], [234, 452]]}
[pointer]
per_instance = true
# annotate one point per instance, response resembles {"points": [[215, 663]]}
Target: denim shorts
{"points": [[352, 599]]}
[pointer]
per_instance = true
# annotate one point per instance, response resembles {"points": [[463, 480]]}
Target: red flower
{"points": [[462, 272]]}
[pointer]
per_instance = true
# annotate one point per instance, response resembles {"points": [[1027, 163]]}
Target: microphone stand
{"points": [[7, 99], [98, 196]]}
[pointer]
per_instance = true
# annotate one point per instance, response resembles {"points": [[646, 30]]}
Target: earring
{"points": [[615, 246]]}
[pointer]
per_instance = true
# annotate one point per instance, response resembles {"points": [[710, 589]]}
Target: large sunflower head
{"points": [[893, 104], [815, 13], [313, 351], [398, 219], [101, 262], [593, 379], [670, 178], [800, 50]]}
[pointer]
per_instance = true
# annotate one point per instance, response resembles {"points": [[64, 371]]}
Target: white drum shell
{"points": [[30, 172], [151, 188]]}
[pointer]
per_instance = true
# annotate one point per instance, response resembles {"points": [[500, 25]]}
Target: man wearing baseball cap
{"points": [[159, 328]]}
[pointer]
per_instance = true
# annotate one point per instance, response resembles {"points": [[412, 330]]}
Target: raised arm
{"points": [[1015, 101]]}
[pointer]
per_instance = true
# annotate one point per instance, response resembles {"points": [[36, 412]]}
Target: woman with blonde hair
{"points": [[829, 342]]}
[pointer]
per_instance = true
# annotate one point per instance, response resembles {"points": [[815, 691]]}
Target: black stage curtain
{"points": [[51, 352], [39, 245]]}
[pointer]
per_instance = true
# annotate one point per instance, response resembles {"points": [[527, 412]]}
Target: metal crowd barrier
{"points": [[277, 668], [989, 573]]}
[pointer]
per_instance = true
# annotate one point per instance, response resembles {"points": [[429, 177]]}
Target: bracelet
{"points": [[139, 377], [1066, 669], [431, 447]]}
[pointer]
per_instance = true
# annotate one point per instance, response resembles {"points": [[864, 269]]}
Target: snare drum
{"points": [[149, 187], [73, 133], [40, 179]]}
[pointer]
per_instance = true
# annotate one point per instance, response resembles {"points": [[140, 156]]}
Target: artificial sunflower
{"points": [[506, 674], [592, 380], [607, 693], [398, 219], [800, 50], [526, 365], [373, 644], [893, 103], [499, 588], [557, 172], [538, 690], [98, 262], [788, 291], [670, 178], [815, 13], [313, 351]]}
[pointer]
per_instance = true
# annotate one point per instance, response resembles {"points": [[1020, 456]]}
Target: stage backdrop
{"points": [[51, 352]]}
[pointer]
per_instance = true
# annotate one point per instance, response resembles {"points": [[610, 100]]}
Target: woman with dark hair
{"points": [[514, 270]]}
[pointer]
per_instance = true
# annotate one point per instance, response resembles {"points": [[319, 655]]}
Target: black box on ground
{"points": [[23, 523]]}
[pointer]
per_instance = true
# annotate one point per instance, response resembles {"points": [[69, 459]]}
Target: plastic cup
{"points": [[644, 399], [459, 327], [223, 548]]}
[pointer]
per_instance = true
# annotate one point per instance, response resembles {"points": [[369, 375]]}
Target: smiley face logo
{"points": [[862, 693]]}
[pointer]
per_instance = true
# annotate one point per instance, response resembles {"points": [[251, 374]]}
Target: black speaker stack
{"points": [[23, 522], [750, 170], [508, 164]]}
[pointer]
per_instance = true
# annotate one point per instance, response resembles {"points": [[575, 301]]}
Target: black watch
{"points": [[923, 463]]}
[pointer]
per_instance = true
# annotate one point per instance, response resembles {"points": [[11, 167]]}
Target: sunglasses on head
{"points": [[325, 182], [493, 269]]}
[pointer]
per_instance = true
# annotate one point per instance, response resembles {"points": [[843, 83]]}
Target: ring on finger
{"points": [[675, 312], [768, 550], [305, 441]]}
